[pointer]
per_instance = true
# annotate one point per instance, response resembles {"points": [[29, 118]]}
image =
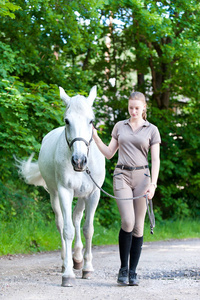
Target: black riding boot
{"points": [[135, 252], [125, 239]]}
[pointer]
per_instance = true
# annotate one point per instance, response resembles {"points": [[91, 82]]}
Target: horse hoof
{"points": [[78, 265], [87, 274], [67, 281]]}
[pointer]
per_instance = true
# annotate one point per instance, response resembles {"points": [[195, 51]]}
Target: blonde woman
{"points": [[132, 138]]}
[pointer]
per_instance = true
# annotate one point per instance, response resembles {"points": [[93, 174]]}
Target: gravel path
{"points": [[167, 270]]}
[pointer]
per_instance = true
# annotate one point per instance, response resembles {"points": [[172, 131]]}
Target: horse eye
{"points": [[67, 121]]}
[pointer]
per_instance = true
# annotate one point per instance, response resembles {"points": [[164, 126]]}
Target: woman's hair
{"points": [[141, 97]]}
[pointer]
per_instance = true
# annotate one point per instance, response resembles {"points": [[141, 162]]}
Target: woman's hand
{"points": [[150, 191], [107, 151], [94, 133]]}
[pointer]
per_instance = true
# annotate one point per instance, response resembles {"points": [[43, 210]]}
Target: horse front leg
{"points": [[78, 245], [55, 203], [88, 230], [66, 197]]}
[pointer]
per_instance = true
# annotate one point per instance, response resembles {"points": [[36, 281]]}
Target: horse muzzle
{"points": [[78, 163]]}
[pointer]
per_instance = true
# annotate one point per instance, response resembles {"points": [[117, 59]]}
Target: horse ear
{"points": [[64, 96], [92, 95]]}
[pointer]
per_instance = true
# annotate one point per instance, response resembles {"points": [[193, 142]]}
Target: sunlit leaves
{"points": [[7, 8], [27, 114]]}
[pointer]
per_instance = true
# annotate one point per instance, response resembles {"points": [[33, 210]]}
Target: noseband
{"points": [[70, 144]]}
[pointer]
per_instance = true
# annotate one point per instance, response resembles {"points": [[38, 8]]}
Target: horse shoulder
{"points": [[53, 135], [47, 153]]}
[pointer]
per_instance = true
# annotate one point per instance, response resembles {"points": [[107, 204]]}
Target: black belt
{"points": [[123, 167]]}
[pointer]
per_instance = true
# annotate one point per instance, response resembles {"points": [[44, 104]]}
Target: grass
{"points": [[164, 230], [28, 236], [25, 236], [170, 229]]}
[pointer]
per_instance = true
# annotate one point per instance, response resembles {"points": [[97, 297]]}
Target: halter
{"points": [[70, 144]]}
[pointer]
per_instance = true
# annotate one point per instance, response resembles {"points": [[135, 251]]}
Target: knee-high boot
{"points": [[135, 252], [125, 239]]}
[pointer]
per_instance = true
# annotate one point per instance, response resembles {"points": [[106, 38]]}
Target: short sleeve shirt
{"points": [[134, 145]]}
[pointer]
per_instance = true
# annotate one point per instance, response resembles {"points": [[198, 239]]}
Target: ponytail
{"points": [[144, 114]]}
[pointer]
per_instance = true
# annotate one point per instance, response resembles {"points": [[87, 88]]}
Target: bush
{"points": [[27, 114], [177, 194]]}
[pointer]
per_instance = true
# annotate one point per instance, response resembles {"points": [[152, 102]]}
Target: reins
{"points": [[149, 202]]}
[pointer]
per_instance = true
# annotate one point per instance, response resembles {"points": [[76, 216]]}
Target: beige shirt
{"points": [[134, 145]]}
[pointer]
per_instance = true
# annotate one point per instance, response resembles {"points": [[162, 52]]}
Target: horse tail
{"points": [[30, 171]]}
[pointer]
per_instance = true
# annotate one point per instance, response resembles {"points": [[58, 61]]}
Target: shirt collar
{"points": [[146, 123]]}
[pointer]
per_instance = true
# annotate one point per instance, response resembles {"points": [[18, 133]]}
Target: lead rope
{"points": [[149, 202]]}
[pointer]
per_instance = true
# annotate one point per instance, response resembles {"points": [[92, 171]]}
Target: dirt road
{"points": [[168, 270]]}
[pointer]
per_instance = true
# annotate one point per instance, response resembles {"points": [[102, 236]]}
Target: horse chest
{"points": [[79, 184]]}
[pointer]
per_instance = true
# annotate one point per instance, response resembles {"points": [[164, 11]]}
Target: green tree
{"points": [[160, 38], [7, 8], [27, 114], [48, 37]]}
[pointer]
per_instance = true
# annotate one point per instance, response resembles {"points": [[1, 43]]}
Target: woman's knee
{"points": [[138, 230], [127, 225]]}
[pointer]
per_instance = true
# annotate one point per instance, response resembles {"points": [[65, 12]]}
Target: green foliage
{"points": [[177, 194], [7, 8], [8, 61], [156, 37], [16, 204], [49, 38], [27, 115]]}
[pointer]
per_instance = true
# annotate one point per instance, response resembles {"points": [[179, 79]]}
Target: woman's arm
{"points": [[155, 166], [107, 151]]}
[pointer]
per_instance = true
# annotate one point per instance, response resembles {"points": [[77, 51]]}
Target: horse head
{"points": [[78, 126]]}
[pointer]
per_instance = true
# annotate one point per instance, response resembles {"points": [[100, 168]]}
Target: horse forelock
{"points": [[79, 105]]}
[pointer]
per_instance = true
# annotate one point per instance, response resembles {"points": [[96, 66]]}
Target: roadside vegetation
{"points": [[26, 236]]}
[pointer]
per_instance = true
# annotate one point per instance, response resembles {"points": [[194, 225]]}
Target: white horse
{"points": [[65, 153]]}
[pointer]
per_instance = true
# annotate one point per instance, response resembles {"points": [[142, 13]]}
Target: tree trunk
{"points": [[160, 95], [140, 79], [160, 73]]}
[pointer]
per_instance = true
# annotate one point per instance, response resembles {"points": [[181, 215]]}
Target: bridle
{"points": [[70, 144]]}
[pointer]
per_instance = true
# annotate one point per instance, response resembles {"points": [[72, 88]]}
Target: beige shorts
{"points": [[127, 184]]}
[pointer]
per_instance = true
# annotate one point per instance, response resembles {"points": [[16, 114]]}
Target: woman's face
{"points": [[136, 108]]}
